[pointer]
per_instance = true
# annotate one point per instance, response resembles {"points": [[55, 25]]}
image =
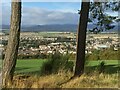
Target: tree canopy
{"points": [[99, 17]]}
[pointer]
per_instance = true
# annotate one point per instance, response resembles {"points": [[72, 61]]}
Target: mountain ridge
{"points": [[54, 27]]}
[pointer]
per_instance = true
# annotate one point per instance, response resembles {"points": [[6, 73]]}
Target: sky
{"points": [[41, 13]]}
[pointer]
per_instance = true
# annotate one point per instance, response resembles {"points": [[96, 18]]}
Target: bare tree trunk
{"points": [[81, 39], [13, 43]]}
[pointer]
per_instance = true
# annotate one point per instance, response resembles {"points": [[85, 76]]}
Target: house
{"points": [[101, 46]]}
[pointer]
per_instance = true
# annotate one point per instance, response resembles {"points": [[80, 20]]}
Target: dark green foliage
{"points": [[69, 66], [109, 54], [92, 57], [32, 56], [101, 67], [55, 63], [105, 54], [100, 19]]}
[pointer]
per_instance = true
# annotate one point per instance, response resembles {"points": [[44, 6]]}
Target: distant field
{"points": [[56, 34], [33, 66]]}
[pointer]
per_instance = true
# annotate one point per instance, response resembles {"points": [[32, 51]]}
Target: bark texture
{"points": [[81, 39], [9, 61]]}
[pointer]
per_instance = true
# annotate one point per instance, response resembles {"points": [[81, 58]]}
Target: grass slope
{"points": [[33, 65], [87, 80], [93, 80]]}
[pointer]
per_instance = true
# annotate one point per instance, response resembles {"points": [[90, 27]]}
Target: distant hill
{"points": [[55, 27]]}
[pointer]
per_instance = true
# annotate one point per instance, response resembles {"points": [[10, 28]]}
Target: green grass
{"points": [[110, 66], [107, 62], [33, 65], [29, 65]]}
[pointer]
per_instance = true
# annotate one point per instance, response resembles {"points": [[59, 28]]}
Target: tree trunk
{"points": [[81, 39], [13, 43]]}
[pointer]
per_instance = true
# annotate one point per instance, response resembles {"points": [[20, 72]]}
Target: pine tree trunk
{"points": [[81, 39], [13, 44]]}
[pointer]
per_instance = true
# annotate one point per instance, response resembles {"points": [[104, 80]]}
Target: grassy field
{"points": [[29, 65], [107, 62], [61, 79], [33, 66]]}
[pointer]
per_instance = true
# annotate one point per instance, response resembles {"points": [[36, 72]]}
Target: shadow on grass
{"points": [[107, 69], [21, 68], [26, 70]]}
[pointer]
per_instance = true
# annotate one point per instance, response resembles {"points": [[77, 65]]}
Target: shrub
{"points": [[101, 67], [55, 63]]}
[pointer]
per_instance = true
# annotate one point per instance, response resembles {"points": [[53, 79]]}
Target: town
{"points": [[45, 43]]}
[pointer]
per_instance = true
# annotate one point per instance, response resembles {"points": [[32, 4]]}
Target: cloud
{"points": [[33, 16], [40, 16], [55, 13]]}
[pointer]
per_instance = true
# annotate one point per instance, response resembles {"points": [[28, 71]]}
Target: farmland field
{"points": [[33, 65], [56, 34]]}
